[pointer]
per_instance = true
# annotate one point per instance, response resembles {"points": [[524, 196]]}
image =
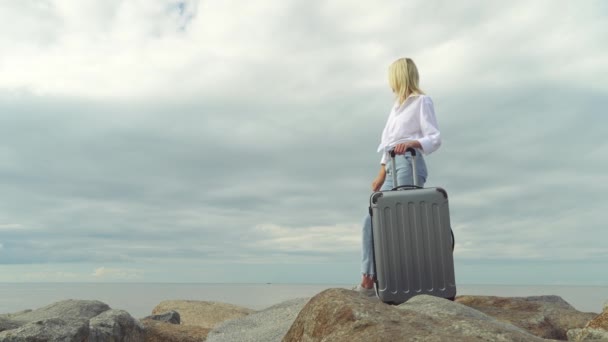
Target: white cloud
{"points": [[480, 197], [10, 226], [118, 49], [518, 45], [99, 49], [337, 238], [180, 130]]}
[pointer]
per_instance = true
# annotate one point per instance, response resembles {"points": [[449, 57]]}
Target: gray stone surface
{"points": [[49, 330], [169, 317], [157, 331], [544, 316], [85, 309], [204, 314], [7, 324], [594, 330], [115, 326], [267, 325], [343, 315], [71, 320], [332, 315], [588, 334]]}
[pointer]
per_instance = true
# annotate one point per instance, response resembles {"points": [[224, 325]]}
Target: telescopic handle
{"points": [[409, 149], [394, 167]]}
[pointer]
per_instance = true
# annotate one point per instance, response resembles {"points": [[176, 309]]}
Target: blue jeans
{"points": [[404, 177]]}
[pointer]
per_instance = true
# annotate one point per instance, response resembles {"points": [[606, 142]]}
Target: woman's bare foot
{"points": [[367, 281]]}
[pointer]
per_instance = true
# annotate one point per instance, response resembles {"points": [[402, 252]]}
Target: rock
{"points": [[11, 315], [267, 325], [545, 316], [343, 315], [200, 313], [72, 320], [115, 325], [168, 317], [8, 324], [82, 309], [587, 334], [157, 331], [66, 320], [600, 321], [49, 329], [594, 330]]}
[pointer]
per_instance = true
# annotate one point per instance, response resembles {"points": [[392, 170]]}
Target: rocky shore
{"points": [[332, 315]]}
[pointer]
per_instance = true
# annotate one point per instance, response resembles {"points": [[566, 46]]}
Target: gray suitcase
{"points": [[413, 241]]}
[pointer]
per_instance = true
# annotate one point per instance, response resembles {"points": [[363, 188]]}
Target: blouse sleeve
{"points": [[431, 138], [384, 158]]}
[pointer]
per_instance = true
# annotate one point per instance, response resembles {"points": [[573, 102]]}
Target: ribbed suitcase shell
{"points": [[412, 244]]}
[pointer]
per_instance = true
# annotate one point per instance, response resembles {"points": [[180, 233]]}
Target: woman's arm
{"points": [[377, 183], [431, 138]]}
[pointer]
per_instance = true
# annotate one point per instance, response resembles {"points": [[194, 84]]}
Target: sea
{"points": [[140, 298]]}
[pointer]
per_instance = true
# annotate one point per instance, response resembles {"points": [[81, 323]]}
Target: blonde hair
{"points": [[403, 78]]}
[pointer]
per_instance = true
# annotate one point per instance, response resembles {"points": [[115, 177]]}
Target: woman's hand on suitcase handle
{"points": [[401, 148]]}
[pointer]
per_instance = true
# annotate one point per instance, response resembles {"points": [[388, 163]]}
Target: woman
{"points": [[411, 124]]}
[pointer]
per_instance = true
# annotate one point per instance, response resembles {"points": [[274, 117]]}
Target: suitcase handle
{"points": [[394, 170], [407, 187], [409, 149]]}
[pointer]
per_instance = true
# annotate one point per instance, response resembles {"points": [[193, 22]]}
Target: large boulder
{"points": [[67, 320], [49, 330], [594, 330], [201, 313], [267, 325], [71, 320], [82, 309], [545, 316], [344, 315], [159, 331], [115, 325]]}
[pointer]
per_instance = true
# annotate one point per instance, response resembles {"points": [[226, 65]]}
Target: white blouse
{"points": [[413, 120]]}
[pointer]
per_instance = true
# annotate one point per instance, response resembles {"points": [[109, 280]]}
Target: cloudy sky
{"points": [[234, 141]]}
